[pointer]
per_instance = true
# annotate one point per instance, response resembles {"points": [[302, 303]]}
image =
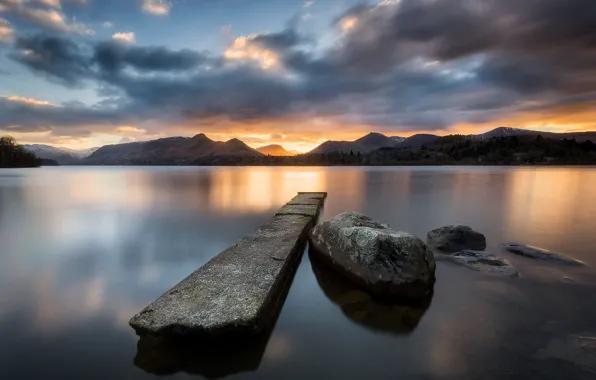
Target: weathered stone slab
{"points": [[305, 210], [237, 291], [313, 195], [305, 199], [480, 261], [541, 254]]}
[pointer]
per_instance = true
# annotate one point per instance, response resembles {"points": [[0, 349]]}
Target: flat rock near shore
{"points": [[480, 261], [238, 291], [541, 254]]}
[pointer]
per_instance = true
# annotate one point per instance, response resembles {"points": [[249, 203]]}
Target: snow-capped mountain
{"points": [[506, 132]]}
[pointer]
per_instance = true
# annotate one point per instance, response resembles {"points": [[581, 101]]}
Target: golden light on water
{"points": [[261, 189], [546, 202]]}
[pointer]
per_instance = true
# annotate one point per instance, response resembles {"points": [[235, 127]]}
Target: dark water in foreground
{"points": [[83, 249]]}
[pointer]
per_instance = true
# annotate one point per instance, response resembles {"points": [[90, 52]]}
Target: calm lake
{"points": [[82, 249]]}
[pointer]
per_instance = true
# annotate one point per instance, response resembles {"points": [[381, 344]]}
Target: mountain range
{"points": [[63, 156], [363, 145], [172, 150], [202, 150]]}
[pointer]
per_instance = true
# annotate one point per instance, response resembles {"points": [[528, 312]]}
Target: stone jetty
{"points": [[239, 290]]}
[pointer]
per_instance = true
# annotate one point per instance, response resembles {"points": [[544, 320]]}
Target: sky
{"points": [[85, 73]]}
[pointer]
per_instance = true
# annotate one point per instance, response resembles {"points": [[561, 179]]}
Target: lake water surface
{"points": [[82, 249]]}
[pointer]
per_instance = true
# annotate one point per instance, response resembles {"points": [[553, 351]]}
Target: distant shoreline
{"points": [[457, 150]]}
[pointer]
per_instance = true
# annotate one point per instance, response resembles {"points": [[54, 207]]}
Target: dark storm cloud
{"points": [[283, 40], [418, 64], [26, 117], [58, 58], [241, 93], [524, 42], [450, 29], [71, 63], [114, 56]]}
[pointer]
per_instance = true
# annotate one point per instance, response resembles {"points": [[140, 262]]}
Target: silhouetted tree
{"points": [[12, 155]]}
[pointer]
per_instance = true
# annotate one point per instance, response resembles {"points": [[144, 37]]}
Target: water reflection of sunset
{"points": [[222, 190], [549, 203], [260, 189], [83, 249]]}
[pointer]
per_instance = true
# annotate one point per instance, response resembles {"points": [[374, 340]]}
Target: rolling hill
{"points": [[374, 141], [363, 145], [201, 150], [418, 140], [172, 150]]}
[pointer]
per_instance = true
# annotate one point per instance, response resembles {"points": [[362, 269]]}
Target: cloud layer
{"points": [[157, 7], [46, 14], [406, 65], [6, 32], [125, 36]]}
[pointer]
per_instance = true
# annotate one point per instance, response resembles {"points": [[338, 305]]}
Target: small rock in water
{"points": [[540, 253], [481, 261], [382, 260], [454, 238]]}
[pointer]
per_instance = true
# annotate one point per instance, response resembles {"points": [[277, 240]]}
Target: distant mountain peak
{"points": [[235, 141], [272, 146], [275, 150], [58, 154], [201, 136], [373, 139], [505, 132]]}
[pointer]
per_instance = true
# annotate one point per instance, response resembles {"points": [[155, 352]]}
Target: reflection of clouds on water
{"points": [[107, 242], [220, 191], [83, 249], [279, 348], [453, 349], [57, 308]]}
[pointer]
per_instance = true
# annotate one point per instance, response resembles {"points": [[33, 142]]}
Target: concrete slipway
{"points": [[238, 291]]}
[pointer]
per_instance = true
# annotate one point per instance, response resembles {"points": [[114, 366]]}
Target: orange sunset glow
{"points": [[328, 73]]}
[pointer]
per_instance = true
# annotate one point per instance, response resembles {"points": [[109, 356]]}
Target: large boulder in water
{"points": [[455, 238], [382, 260]]}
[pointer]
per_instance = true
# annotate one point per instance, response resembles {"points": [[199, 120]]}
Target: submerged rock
{"points": [[454, 238], [383, 260], [481, 261], [540, 253]]}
